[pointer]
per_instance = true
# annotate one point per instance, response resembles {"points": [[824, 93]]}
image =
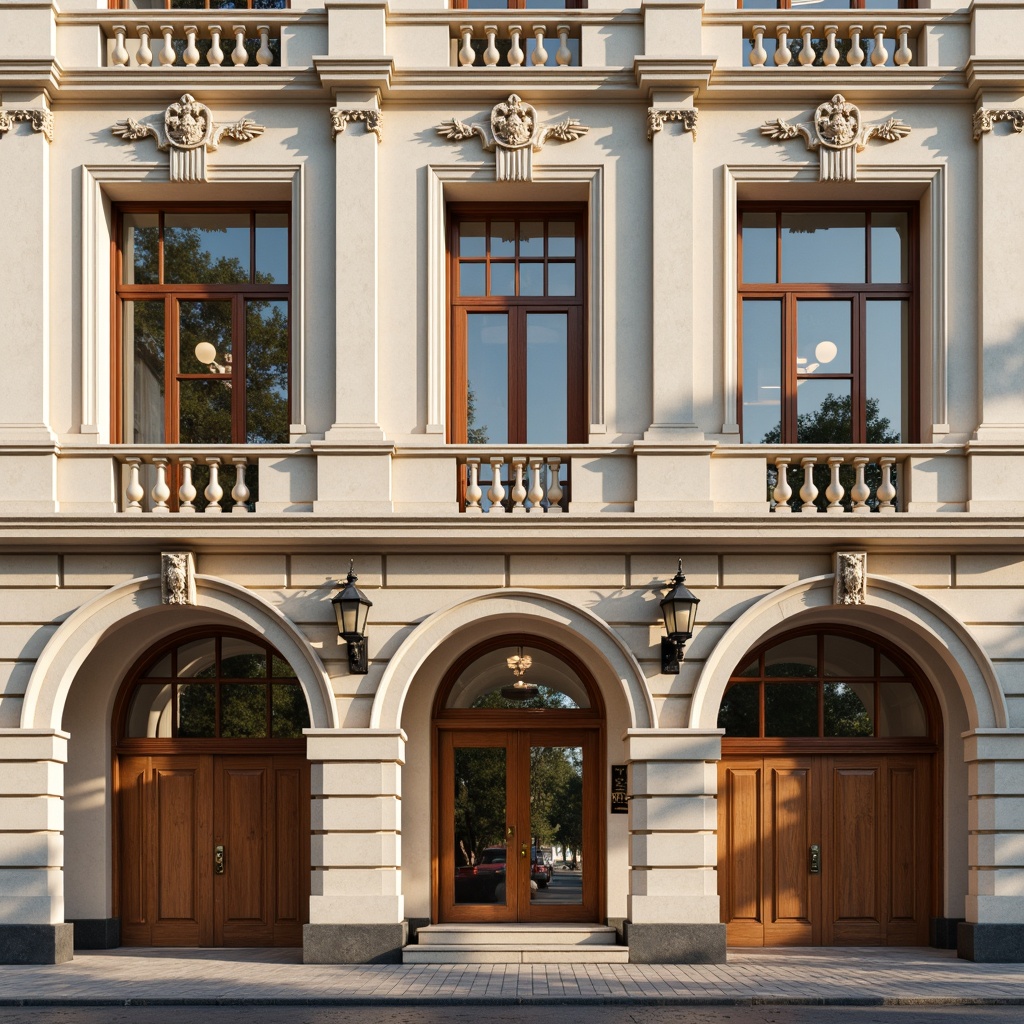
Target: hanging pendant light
{"points": [[519, 690]]}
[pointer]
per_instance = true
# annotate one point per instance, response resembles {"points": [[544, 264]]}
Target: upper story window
{"points": [[823, 5], [502, 5], [828, 324], [202, 340], [198, 5], [518, 358]]}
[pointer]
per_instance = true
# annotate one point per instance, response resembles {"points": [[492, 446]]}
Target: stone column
{"points": [[994, 929], [356, 910], [673, 904], [32, 926]]}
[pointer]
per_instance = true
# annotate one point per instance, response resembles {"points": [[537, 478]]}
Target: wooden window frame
{"points": [[789, 293], [168, 5], [855, 5], [517, 5]]}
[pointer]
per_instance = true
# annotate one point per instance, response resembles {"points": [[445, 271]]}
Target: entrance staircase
{"points": [[516, 944]]}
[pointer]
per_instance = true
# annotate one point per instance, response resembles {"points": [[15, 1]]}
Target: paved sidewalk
{"points": [[794, 976]]}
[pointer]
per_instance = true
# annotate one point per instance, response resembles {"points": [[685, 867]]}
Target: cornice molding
{"points": [[345, 73], [682, 74]]}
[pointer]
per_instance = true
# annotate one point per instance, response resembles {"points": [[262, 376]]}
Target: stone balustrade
{"points": [[832, 483], [147, 482], [519, 41], [515, 483], [799, 44], [163, 39]]}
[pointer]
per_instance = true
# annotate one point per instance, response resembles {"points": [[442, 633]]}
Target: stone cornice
{"points": [[346, 74], [682, 74], [36, 74], [469, 87], [990, 74], [882, 88]]}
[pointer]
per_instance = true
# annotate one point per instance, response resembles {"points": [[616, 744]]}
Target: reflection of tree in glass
{"points": [[474, 434], [289, 714], [197, 709], [739, 712], [243, 710], [845, 713], [479, 801], [547, 697], [791, 709]]}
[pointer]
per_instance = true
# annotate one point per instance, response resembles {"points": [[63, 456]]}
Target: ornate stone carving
{"points": [[838, 135], [374, 121], [984, 120], [40, 120], [656, 118], [851, 578], [515, 135], [177, 578], [189, 134]]}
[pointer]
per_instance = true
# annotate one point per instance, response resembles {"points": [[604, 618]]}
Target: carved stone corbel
{"points": [[178, 578], [657, 116], [374, 121], [984, 120], [40, 120], [851, 577]]}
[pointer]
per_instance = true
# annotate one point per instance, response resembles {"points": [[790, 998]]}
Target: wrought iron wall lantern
{"points": [[679, 609], [351, 607]]}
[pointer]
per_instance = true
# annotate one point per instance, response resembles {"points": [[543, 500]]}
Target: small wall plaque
{"points": [[620, 803]]}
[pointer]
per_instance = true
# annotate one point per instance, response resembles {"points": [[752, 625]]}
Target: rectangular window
{"points": [[825, 5], [190, 5], [827, 325]]}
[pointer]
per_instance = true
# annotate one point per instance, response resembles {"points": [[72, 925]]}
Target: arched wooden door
{"points": [[212, 796], [828, 795]]}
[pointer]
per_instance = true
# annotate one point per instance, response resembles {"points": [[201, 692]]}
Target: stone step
{"points": [[514, 953], [520, 935]]}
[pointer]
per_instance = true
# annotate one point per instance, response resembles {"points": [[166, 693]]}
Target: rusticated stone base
{"points": [[354, 943], [36, 943], [97, 933], [675, 943], [990, 943]]}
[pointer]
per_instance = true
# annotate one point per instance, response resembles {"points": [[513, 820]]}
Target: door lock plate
{"points": [[814, 859], [218, 860]]}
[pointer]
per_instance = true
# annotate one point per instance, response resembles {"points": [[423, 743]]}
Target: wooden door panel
{"points": [[290, 849], [133, 865], [740, 865], [910, 829]]}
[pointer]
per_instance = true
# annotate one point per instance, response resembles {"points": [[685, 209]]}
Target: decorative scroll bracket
{"points": [[656, 118], [515, 135], [838, 135], [984, 120], [189, 133], [40, 120], [374, 121], [851, 578], [178, 578]]}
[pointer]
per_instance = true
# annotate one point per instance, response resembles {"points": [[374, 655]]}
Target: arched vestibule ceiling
{"points": [[441, 637], [219, 602], [943, 647]]}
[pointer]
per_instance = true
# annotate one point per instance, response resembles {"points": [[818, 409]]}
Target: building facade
{"points": [[510, 313]]}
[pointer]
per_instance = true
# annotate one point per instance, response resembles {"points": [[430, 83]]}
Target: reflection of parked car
{"points": [[540, 870], [477, 883]]}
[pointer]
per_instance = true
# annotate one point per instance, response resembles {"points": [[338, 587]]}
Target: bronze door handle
{"points": [[218, 860]]}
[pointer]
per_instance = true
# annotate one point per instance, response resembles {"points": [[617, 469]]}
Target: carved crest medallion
{"points": [[512, 123], [188, 123]]}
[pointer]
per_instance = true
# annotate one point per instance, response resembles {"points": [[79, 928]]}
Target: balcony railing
{"points": [[832, 483], [800, 44], [167, 39], [514, 483], [519, 42]]}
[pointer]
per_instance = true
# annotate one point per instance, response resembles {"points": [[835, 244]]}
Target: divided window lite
{"points": [[517, 5], [825, 5], [198, 5]]}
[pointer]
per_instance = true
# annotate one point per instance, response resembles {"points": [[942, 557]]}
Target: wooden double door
{"points": [[826, 850], [213, 850]]}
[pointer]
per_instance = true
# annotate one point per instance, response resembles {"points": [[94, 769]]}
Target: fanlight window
{"points": [[217, 686], [488, 682], [822, 685]]}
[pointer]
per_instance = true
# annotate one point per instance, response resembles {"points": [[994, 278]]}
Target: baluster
{"points": [[496, 494], [518, 490], [191, 53], [563, 58], [215, 55], [144, 55], [886, 489], [806, 58], [855, 56], [555, 487], [860, 492], [240, 492], [187, 490], [515, 52], [879, 54], [758, 54], [264, 55], [831, 55], [167, 55], [491, 54], [536, 493], [119, 55], [134, 491], [214, 492], [239, 55], [783, 492], [473, 491], [540, 55], [809, 489], [467, 55], [834, 492], [161, 493], [783, 54], [903, 55]]}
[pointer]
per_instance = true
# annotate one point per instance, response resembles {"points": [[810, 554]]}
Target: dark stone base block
{"points": [[942, 932], [97, 933], [354, 943], [990, 943], [36, 943], [675, 943]]}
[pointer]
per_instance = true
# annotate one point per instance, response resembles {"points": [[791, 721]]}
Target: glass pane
{"points": [[140, 248], [551, 5], [846, 657], [503, 238], [206, 248], [531, 278], [198, 659], [823, 412], [887, 667], [820, 5], [271, 248], [205, 411], [556, 824], [790, 709], [197, 710], [160, 669], [266, 372], [288, 712], [561, 279], [531, 238], [900, 711], [503, 279], [823, 247], [762, 369], [890, 235], [823, 330], [759, 249], [243, 710], [472, 238], [793, 658], [561, 238], [240, 659], [751, 669], [472, 278], [760, 5], [849, 709], [479, 825], [887, 341], [204, 337], [280, 669], [482, 683], [487, 378], [739, 713], [144, 355], [150, 713], [547, 378]]}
